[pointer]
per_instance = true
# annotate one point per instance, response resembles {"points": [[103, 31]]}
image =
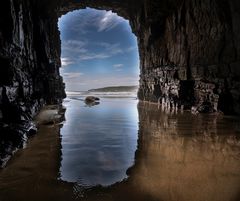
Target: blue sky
{"points": [[98, 50]]}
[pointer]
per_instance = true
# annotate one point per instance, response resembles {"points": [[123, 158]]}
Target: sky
{"points": [[98, 50]]}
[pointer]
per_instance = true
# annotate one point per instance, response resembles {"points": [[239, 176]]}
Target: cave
{"points": [[189, 59], [179, 42], [189, 54]]}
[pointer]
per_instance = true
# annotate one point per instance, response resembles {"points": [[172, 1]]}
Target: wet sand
{"points": [[180, 157]]}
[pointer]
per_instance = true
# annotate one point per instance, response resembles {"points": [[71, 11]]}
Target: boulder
{"points": [[90, 99]]}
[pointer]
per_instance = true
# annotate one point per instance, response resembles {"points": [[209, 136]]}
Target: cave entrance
{"points": [[100, 52], [98, 49]]}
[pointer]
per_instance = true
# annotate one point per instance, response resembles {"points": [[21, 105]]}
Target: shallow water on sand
{"points": [[98, 142], [135, 151]]}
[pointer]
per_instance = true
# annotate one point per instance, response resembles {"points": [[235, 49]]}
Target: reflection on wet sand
{"points": [[180, 157], [32, 173], [186, 157], [91, 104]]}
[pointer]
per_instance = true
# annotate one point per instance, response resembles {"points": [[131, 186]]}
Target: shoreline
{"points": [[15, 136]]}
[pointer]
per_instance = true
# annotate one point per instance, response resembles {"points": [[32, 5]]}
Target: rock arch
{"points": [[187, 48]]}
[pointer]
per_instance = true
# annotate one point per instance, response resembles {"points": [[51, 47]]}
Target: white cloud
{"points": [[83, 50], [108, 21], [92, 56], [72, 75], [118, 65], [66, 61], [104, 44], [108, 50], [132, 48], [101, 20], [89, 50], [75, 46], [112, 48]]}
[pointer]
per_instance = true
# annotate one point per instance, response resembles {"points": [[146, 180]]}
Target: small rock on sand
{"points": [[91, 99], [49, 115]]}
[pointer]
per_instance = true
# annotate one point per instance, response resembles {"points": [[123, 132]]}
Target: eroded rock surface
{"points": [[191, 56], [29, 66], [189, 50]]}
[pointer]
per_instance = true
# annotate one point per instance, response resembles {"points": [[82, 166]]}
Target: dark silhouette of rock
{"points": [[189, 52], [13, 137], [91, 99]]}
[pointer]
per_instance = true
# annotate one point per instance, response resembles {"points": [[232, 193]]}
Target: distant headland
{"points": [[115, 89]]}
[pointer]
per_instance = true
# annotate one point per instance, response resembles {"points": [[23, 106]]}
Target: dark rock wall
{"points": [[29, 74], [191, 55], [29, 59], [189, 52]]}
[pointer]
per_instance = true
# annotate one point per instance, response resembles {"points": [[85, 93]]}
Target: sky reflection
{"points": [[99, 143]]}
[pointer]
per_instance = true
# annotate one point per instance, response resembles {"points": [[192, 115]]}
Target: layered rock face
{"points": [[191, 56], [29, 68], [189, 52], [29, 58]]}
